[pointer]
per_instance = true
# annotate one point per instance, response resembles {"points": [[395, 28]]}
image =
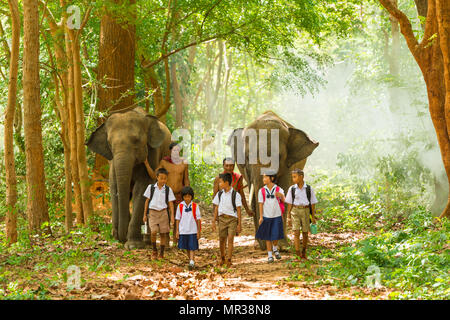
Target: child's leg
{"points": [[153, 236], [163, 243], [191, 255], [230, 246], [269, 246], [275, 245], [223, 246], [305, 243], [297, 241]]}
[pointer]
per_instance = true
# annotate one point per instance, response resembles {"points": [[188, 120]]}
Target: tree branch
{"points": [[405, 26]]}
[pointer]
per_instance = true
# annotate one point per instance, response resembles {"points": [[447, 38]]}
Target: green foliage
{"points": [[414, 261]]}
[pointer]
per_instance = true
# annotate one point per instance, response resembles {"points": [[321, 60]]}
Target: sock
{"points": [[275, 248], [191, 261], [162, 250], [154, 246], [270, 254]]}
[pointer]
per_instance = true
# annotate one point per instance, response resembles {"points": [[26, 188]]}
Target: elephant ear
{"points": [[155, 135], [300, 146], [98, 142]]}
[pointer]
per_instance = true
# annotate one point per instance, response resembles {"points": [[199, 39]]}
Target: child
{"points": [[271, 203], [227, 210], [160, 197], [302, 198], [188, 224]]}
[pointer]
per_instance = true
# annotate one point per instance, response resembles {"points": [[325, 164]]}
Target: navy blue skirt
{"points": [[188, 242], [271, 229]]}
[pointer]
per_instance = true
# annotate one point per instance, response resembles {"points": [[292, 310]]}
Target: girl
{"points": [[271, 204], [188, 224]]}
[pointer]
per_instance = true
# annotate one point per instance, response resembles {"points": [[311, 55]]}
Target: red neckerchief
{"points": [[167, 158]]}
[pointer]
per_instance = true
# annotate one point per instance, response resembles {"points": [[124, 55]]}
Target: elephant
{"points": [[126, 139], [294, 146]]}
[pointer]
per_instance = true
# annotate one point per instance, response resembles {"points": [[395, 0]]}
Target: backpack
{"points": [[308, 195], [281, 203], [233, 198], [194, 209]]}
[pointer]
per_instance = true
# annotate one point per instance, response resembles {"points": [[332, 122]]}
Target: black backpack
{"points": [[233, 198], [308, 195]]}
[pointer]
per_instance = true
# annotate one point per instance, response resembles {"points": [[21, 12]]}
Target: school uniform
{"points": [[272, 226], [300, 211], [187, 227], [228, 219], [159, 219]]}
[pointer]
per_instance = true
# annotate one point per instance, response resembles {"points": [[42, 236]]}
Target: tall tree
{"points": [[116, 61], [10, 169], [37, 207], [432, 56]]}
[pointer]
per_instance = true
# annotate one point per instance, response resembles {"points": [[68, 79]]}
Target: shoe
{"points": [[277, 254], [191, 265], [155, 255], [270, 260], [304, 255]]}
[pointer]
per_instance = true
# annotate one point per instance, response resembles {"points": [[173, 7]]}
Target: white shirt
{"points": [[159, 197], [187, 225], [226, 204], [271, 207], [300, 196]]}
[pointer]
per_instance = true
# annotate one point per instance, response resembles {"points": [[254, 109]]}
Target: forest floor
{"points": [[136, 276]]}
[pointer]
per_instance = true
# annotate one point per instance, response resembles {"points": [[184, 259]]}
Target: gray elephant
{"points": [[294, 146], [126, 139]]}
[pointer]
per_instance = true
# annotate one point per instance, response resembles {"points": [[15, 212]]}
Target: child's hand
{"points": [[238, 229], [279, 194], [177, 235], [289, 221], [198, 235], [145, 218], [261, 220]]}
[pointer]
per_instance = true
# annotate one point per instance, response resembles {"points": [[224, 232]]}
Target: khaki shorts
{"points": [[159, 221], [300, 219], [227, 225]]}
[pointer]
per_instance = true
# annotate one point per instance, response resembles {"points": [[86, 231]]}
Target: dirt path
{"points": [[250, 276]]}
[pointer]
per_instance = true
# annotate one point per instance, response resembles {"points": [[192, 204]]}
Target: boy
{"points": [[228, 211], [236, 183], [297, 198], [160, 197]]}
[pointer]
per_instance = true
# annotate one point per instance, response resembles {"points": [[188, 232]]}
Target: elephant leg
{"points": [[255, 208], [114, 202], [134, 236]]}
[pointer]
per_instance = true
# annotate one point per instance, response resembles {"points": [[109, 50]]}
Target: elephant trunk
{"points": [[123, 166]]}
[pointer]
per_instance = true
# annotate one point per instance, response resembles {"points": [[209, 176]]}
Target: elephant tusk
{"points": [[252, 190]]}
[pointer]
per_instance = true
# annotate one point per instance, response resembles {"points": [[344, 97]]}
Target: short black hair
{"points": [[187, 190], [226, 177], [173, 144], [227, 159], [298, 171], [162, 170], [272, 176]]}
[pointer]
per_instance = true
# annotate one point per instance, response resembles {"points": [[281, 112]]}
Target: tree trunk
{"points": [[85, 181], [37, 208], [10, 169], [115, 68], [73, 132], [432, 56]]}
